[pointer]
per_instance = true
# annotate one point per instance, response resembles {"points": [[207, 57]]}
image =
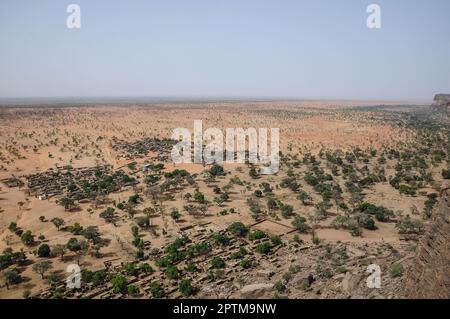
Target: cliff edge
{"points": [[429, 277]]}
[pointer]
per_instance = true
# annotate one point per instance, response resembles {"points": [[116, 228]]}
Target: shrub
{"points": [[175, 214], [238, 229], [43, 250], [258, 193], [446, 173], [276, 240], [119, 284], [239, 254], [216, 170], [186, 288], [396, 270], [171, 272], [130, 269], [300, 224], [157, 290], [286, 211], [132, 290], [297, 239], [257, 234], [263, 248], [99, 277], [406, 189], [279, 287], [221, 239], [409, 226], [218, 262], [146, 268], [27, 238], [191, 267], [246, 263]]}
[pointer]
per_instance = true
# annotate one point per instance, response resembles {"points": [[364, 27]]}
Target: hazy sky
{"points": [[229, 48]]}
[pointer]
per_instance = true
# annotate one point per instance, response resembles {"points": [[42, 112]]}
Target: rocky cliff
{"points": [[429, 277], [441, 102]]}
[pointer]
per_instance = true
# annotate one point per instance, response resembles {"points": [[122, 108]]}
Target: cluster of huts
{"points": [[140, 148]]}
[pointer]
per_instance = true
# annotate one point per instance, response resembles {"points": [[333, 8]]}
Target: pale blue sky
{"points": [[229, 48]]}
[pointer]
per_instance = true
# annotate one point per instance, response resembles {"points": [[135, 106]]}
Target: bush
{"points": [[239, 254], [218, 262], [186, 288], [300, 224], [446, 173], [132, 290], [171, 272], [258, 193], [43, 251], [279, 287], [382, 214], [191, 267], [297, 239], [175, 214], [130, 269], [276, 240], [257, 234], [119, 284], [238, 229], [157, 290], [216, 170], [263, 248], [286, 211], [396, 270], [246, 263], [146, 268], [27, 238], [221, 239], [409, 226], [99, 277], [407, 190]]}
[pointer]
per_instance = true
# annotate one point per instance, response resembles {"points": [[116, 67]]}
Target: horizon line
{"points": [[140, 99]]}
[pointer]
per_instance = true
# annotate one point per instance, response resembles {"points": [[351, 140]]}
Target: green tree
{"points": [[12, 277], [119, 284], [185, 287], [175, 214], [58, 222], [43, 251], [218, 262], [59, 250], [171, 272], [300, 224], [67, 203], [27, 238], [263, 248], [238, 229], [157, 290], [42, 267]]}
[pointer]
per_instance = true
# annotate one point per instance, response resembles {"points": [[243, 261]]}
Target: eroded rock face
{"points": [[429, 276], [441, 102]]}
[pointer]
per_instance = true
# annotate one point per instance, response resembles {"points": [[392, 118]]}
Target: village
{"points": [[139, 226]]}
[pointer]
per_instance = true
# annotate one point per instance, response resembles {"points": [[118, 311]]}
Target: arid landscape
{"points": [[360, 183]]}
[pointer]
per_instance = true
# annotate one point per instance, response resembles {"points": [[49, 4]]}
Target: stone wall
{"points": [[429, 277]]}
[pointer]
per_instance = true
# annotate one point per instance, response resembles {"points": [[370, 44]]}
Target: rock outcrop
{"points": [[256, 290], [441, 102], [429, 278]]}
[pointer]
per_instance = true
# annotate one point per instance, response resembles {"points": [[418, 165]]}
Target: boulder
{"points": [[255, 291], [350, 281], [265, 273]]}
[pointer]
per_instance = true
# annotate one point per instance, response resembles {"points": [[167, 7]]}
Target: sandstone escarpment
{"points": [[430, 275], [441, 102]]}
